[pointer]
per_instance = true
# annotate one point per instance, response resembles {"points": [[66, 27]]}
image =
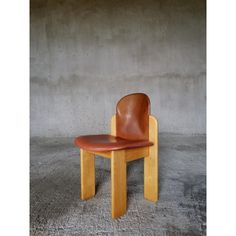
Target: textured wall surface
{"points": [[85, 55]]}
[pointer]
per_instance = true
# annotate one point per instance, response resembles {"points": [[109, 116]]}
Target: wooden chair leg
{"points": [[118, 183], [87, 165], [151, 175]]}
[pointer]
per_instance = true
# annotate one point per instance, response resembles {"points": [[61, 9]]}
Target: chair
{"points": [[134, 135]]}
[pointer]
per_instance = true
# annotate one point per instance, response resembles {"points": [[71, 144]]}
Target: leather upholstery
{"points": [[132, 117], [132, 127], [103, 142]]}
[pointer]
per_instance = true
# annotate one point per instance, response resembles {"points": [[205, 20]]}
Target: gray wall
{"points": [[85, 55]]}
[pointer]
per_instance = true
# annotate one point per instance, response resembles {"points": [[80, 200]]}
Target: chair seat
{"points": [[104, 142]]}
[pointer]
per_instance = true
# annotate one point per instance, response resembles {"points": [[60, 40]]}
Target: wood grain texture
{"points": [[136, 153], [151, 163], [118, 183], [87, 165], [102, 154], [130, 154], [119, 159], [113, 125]]}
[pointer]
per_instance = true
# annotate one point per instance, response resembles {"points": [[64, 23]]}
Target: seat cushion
{"points": [[103, 143]]}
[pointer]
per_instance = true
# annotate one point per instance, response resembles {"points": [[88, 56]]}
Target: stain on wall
{"points": [[85, 55]]}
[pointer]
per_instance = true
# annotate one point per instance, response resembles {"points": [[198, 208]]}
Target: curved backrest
{"points": [[132, 117]]}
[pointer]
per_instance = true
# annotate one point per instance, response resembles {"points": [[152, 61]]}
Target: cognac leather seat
{"points": [[103, 143], [132, 127]]}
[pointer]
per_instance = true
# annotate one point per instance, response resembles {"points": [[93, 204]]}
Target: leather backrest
{"points": [[132, 117]]}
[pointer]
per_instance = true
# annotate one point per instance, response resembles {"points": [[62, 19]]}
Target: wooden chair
{"points": [[134, 135]]}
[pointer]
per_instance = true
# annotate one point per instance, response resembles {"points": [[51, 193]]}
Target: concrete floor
{"points": [[56, 208]]}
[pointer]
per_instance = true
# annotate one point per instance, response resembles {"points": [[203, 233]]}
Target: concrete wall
{"points": [[87, 54]]}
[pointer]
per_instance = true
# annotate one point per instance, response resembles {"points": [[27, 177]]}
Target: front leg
{"points": [[87, 165], [118, 183]]}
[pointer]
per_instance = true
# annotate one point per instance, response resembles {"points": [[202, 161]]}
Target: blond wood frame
{"points": [[119, 159]]}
